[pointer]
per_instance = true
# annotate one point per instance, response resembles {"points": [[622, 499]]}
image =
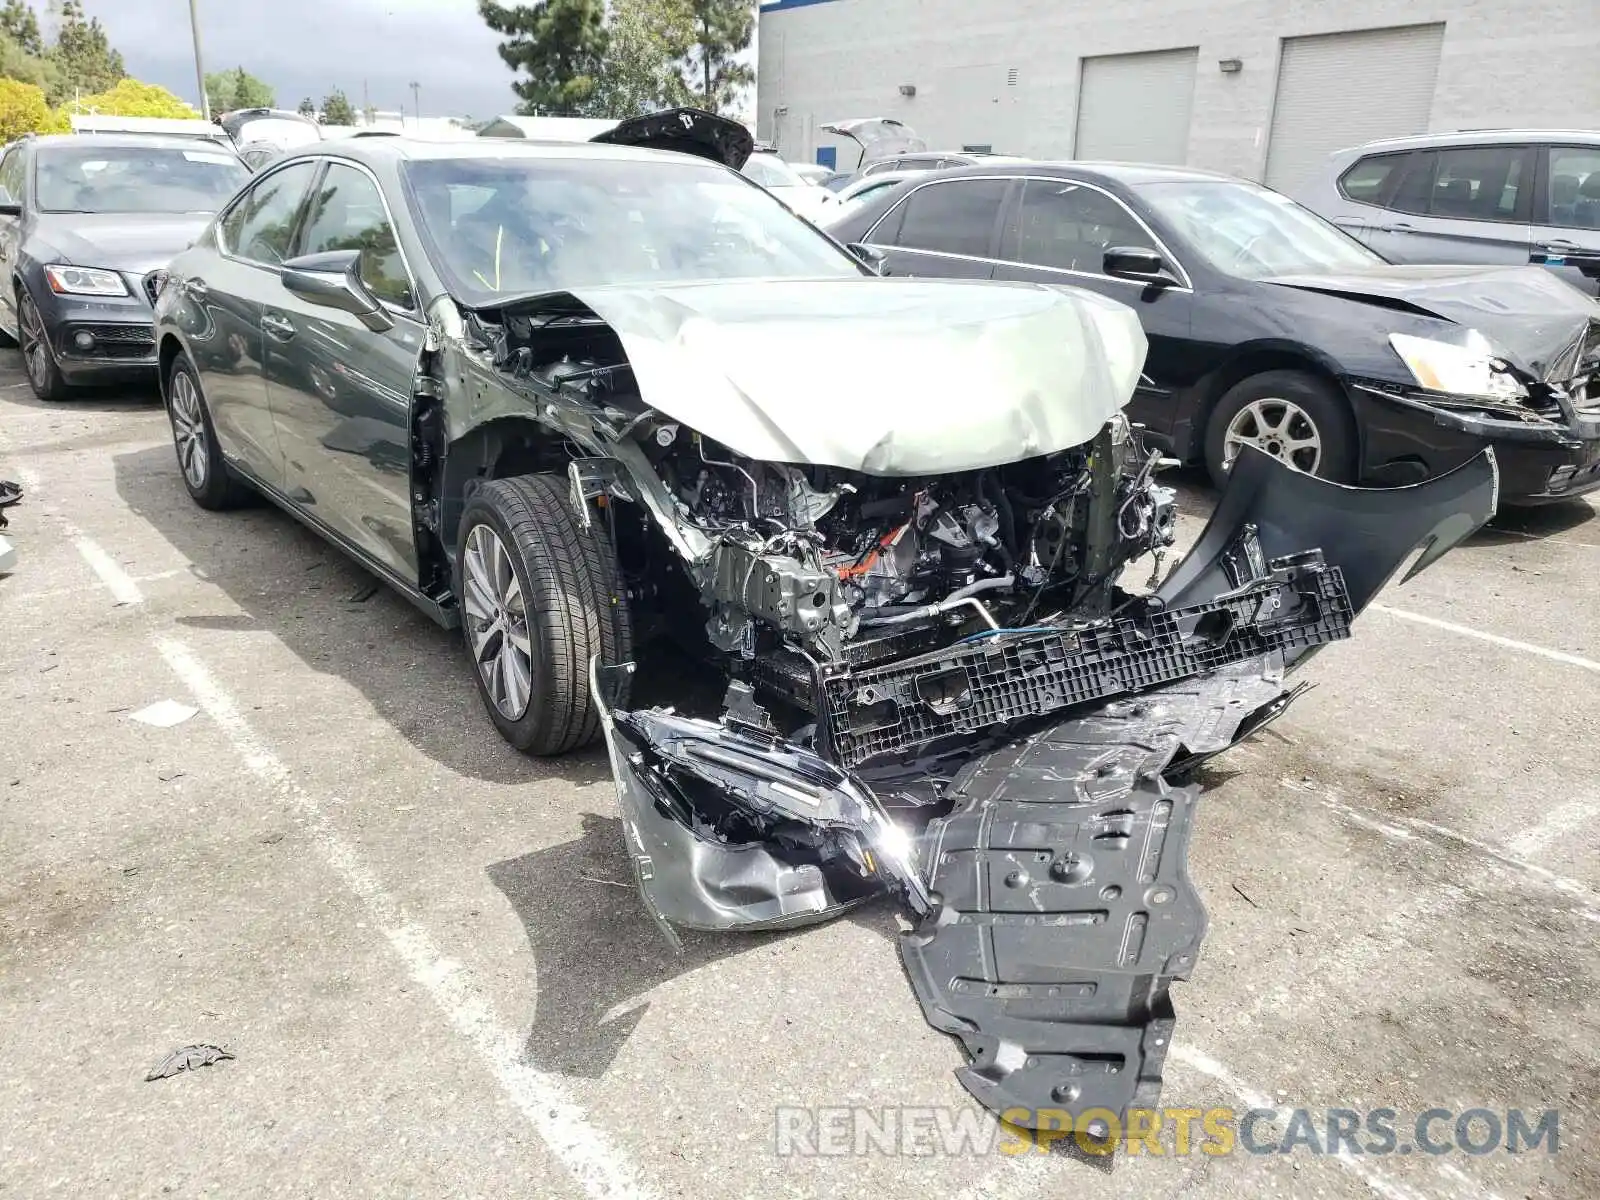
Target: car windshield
{"points": [[92, 178], [771, 171], [500, 227], [1253, 233]]}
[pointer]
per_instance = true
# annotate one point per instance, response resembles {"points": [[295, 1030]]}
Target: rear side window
{"points": [[1574, 186], [260, 226], [1373, 178], [1480, 183], [956, 217]]}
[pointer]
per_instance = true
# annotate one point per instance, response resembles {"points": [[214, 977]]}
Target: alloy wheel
{"points": [[189, 430], [34, 343], [497, 622], [1281, 428]]}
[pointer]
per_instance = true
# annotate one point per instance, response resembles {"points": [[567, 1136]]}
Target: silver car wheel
{"points": [[1280, 427], [33, 342], [189, 430], [497, 622]]}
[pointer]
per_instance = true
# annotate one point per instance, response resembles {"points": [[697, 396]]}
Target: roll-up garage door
{"points": [[1342, 89], [1135, 107]]}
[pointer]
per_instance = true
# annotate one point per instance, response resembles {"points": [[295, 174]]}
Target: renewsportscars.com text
{"points": [[841, 1132]]}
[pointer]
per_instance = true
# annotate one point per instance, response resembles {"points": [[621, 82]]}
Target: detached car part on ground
{"points": [[844, 632]]}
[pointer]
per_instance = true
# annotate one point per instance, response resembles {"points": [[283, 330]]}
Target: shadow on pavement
{"points": [[596, 948], [339, 620]]}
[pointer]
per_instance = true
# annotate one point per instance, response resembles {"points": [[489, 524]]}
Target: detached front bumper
{"points": [[1027, 795]]}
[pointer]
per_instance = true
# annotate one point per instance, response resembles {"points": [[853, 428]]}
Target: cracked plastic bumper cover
{"points": [[1052, 903]]}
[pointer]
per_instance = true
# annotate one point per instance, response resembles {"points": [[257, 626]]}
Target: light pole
{"points": [[416, 102], [199, 65]]}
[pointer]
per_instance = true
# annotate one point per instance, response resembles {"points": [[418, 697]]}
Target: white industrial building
{"points": [[1257, 88]]}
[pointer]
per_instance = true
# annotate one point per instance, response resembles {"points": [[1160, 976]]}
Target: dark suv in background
{"points": [[87, 224], [1489, 196]]}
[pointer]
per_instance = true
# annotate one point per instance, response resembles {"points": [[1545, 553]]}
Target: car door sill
{"points": [[443, 615]]}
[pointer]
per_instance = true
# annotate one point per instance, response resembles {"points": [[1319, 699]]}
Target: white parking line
{"points": [[118, 582], [1404, 829], [585, 1151], [1380, 1183], [1571, 660]]}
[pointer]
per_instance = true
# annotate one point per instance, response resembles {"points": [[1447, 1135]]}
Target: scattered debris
{"points": [[10, 493], [272, 839], [1244, 897], [164, 714], [130, 871], [169, 776], [187, 1059], [363, 594], [596, 879]]}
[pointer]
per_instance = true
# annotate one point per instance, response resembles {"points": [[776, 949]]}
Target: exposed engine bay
{"points": [[945, 686]]}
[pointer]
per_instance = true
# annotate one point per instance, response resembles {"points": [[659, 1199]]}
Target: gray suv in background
{"points": [[1485, 196]]}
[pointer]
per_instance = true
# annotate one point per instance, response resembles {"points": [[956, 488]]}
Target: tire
{"points": [[205, 474], [1278, 409], [570, 603], [38, 356]]}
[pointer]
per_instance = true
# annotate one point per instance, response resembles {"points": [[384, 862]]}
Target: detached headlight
{"points": [[1459, 370], [84, 281]]}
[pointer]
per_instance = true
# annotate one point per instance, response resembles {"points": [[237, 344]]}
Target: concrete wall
{"points": [[1504, 62]]}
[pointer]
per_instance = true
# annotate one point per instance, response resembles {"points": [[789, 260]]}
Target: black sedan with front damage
{"points": [[87, 223], [1271, 328], [831, 561]]}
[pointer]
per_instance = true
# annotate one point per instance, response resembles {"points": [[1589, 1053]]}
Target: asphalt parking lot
{"points": [[436, 980]]}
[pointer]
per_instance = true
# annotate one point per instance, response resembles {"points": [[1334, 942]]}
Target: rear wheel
{"points": [[1294, 416], [205, 475], [38, 357], [540, 597]]}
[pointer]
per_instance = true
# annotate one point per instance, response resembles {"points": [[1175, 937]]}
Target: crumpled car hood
{"points": [[1534, 317], [887, 376]]}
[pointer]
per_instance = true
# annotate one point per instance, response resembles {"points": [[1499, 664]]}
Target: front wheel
{"points": [[1294, 416], [38, 358], [540, 596]]}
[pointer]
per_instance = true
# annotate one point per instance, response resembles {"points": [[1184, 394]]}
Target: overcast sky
{"points": [[309, 47]]}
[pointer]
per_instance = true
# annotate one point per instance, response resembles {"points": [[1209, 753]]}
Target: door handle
{"points": [[277, 327], [196, 289], [1562, 245]]}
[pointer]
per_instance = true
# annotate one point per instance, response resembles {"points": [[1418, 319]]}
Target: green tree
{"points": [[722, 30], [228, 91], [83, 53], [20, 23], [336, 109], [307, 108], [559, 44], [23, 110], [647, 40], [17, 63], [131, 98]]}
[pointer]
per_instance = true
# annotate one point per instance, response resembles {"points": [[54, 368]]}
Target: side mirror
{"points": [[10, 206], [1143, 266], [333, 280], [871, 257]]}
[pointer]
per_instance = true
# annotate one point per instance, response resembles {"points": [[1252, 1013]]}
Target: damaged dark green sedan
{"points": [[831, 561]]}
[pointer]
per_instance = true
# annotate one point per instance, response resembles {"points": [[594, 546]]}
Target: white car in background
{"points": [[862, 189], [783, 181]]}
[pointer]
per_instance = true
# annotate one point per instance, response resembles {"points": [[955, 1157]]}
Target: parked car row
{"points": [[1270, 327]]}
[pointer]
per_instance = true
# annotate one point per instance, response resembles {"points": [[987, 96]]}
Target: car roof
{"points": [[1130, 174], [153, 141], [1476, 137], [373, 151]]}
